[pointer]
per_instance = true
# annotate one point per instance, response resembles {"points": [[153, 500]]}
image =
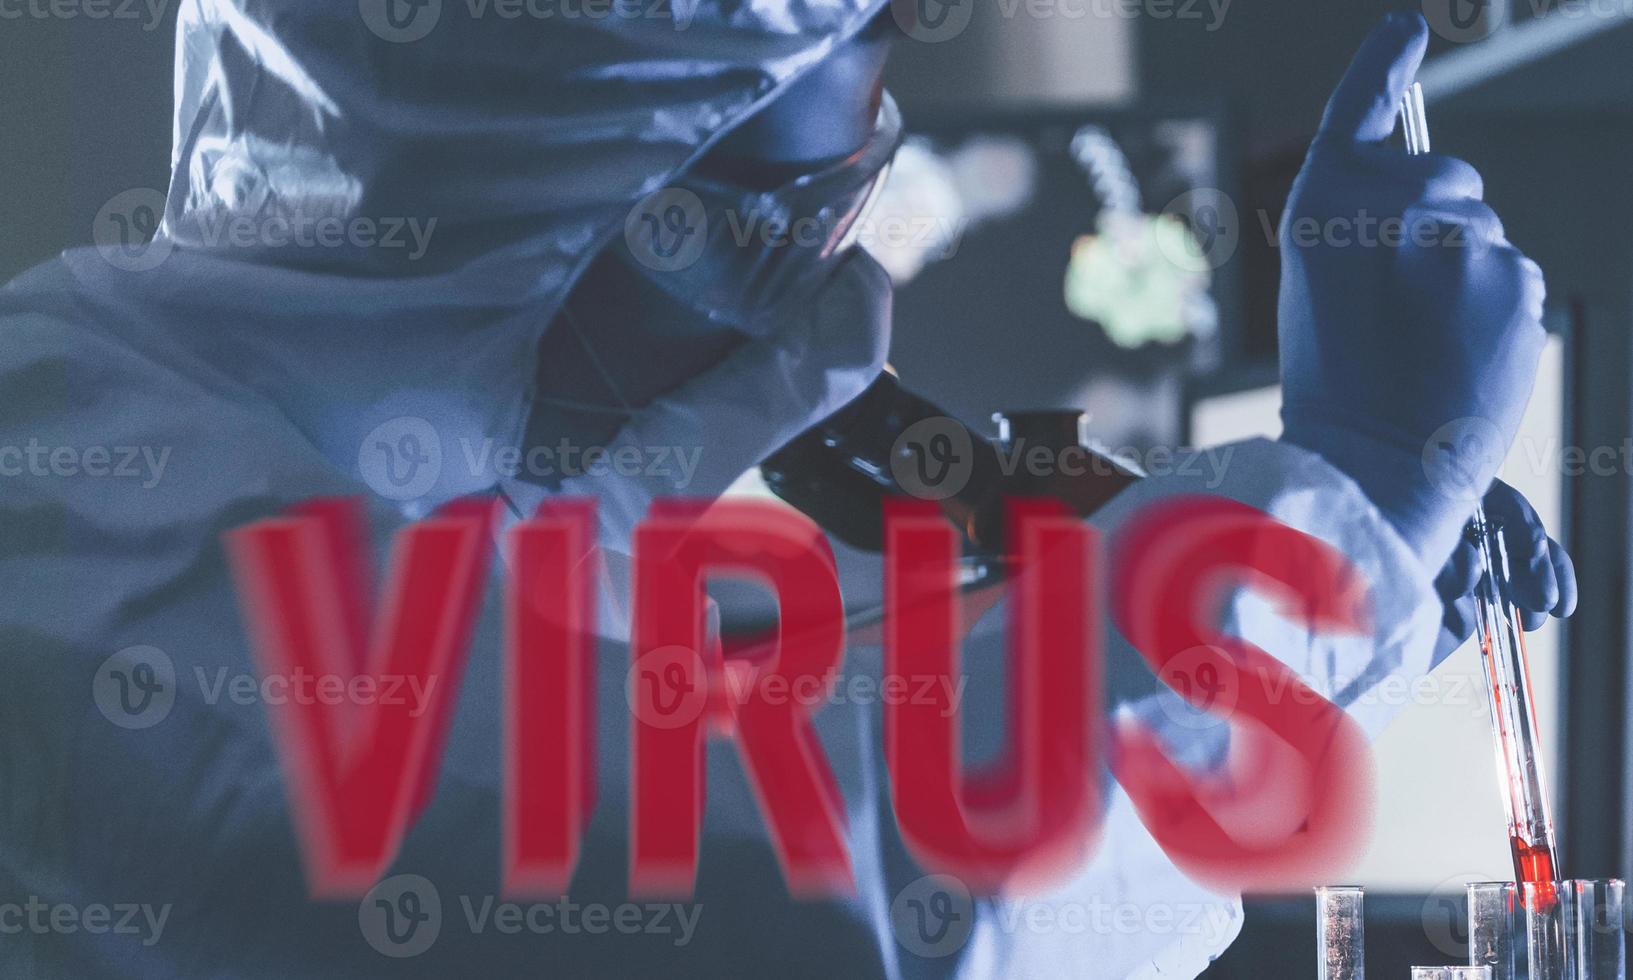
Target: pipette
{"points": [[1507, 671]]}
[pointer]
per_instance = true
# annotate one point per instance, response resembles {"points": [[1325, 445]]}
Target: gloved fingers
{"points": [[1460, 574], [1532, 270], [1427, 177], [1542, 575], [1506, 505], [1561, 571], [1363, 106], [1532, 580], [1456, 626], [1464, 222], [1565, 575], [1525, 280], [1530, 564], [1535, 284]]}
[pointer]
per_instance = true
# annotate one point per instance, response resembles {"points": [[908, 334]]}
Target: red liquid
{"points": [[1535, 864]]}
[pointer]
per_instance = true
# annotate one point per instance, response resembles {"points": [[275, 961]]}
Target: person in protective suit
{"points": [[270, 347]]}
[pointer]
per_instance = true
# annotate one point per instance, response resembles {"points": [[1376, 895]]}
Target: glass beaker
{"points": [[1592, 911], [1493, 932], [1340, 934], [1548, 953]]}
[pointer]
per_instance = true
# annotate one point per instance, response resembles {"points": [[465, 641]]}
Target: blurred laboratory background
{"points": [[1087, 209]]}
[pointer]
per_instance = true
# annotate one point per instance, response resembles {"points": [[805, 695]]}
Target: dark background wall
{"points": [[85, 114]]}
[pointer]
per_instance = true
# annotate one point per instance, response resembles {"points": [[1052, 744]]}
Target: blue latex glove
{"points": [[1407, 357], [1542, 578]]}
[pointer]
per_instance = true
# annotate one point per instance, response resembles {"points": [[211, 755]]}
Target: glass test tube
{"points": [[1513, 716], [1593, 924], [1493, 936], [1548, 954], [1507, 671], [1340, 934], [1451, 973]]}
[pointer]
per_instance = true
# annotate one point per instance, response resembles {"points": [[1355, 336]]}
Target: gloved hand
{"points": [[1410, 328], [1542, 578]]}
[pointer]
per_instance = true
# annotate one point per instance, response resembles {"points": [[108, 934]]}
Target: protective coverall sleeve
{"points": [[1129, 909], [1299, 489]]}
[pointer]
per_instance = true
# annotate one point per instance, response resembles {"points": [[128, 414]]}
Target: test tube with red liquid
{"points": [[1519, 761], [1508, 687]]}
